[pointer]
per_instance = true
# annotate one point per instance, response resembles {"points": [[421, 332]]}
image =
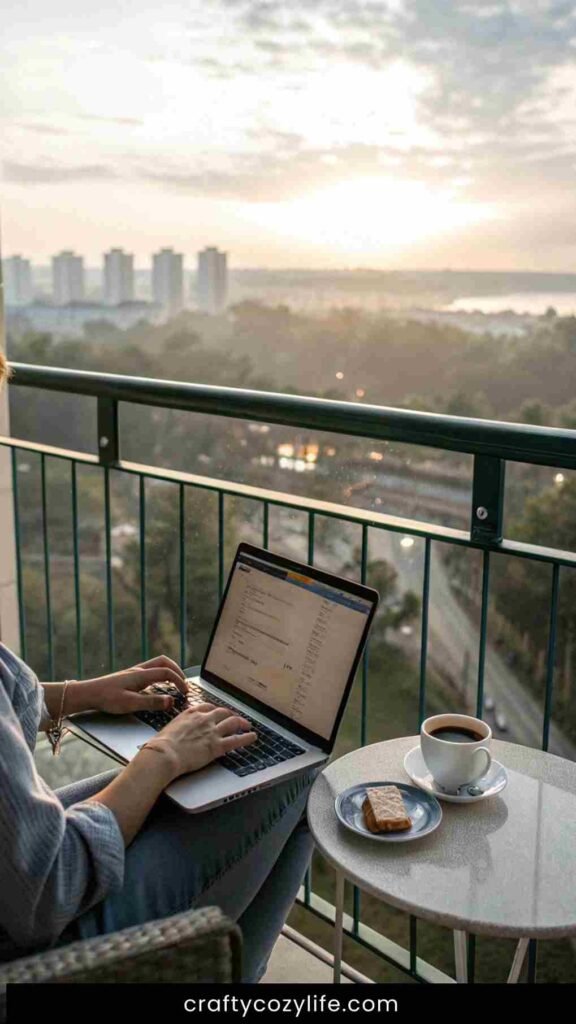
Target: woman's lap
{"points": [[221, 857]]}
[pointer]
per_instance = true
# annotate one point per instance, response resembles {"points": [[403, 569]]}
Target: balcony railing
{"points": [[491, 444]]}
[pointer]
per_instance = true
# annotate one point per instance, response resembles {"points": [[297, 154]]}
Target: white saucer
{"points": [[493, 782]]}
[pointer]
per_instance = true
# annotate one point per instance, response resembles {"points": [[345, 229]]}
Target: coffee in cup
{"points": [[456, 749]]}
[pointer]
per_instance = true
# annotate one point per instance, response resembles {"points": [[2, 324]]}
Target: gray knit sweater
{"points": [[55, 863]]}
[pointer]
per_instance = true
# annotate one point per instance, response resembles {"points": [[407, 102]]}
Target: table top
{"points": [[503, 866]]}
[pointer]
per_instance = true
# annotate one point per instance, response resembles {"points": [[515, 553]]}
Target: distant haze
{"points": [[323, 133]]}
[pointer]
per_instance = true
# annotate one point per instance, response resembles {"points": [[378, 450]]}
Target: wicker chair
{"points": [[196, 946]]}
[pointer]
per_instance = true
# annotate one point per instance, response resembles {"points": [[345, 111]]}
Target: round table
{"points": [[504, 866]]}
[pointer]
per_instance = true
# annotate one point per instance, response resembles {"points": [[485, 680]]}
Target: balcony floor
{"points": [[290, 964]]}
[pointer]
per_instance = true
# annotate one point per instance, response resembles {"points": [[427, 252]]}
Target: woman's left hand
{"points": [[120, 692]]}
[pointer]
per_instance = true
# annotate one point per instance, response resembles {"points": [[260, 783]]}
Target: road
{"points": [[452, 631]]}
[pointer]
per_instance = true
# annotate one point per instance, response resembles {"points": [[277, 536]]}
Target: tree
{"points": [[394, 610], [523, 594]]}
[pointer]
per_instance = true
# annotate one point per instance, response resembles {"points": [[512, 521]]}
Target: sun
{"points": [[369, 215]]}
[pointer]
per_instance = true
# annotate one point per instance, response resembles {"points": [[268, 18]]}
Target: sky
{"points": [[315, 133]]}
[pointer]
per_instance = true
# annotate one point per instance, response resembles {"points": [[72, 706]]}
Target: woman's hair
{"points": [[4, 369]]}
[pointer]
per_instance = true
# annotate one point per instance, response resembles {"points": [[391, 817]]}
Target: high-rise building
{"points": [[118, 277], [17, 277], [212, 281], [168, 280], [67, 278]]}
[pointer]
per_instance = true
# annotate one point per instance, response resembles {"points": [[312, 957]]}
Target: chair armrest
{"points": [[195, 946]]}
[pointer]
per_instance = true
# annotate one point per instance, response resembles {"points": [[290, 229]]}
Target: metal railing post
{"points": [[487, 499]]}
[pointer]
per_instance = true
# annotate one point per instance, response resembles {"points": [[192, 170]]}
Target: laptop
{"points": [[283, 653]]}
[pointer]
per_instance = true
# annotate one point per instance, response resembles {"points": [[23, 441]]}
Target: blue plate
{"points": [[423, 808]]}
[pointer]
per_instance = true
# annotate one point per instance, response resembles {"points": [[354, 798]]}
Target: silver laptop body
{"points": [[283, 652]]}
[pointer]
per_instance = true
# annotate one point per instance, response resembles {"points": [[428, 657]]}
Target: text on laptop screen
{"points": [[288, 640]]}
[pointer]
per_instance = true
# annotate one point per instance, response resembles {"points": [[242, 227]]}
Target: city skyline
{"points": [[170, 287], [397, 134]]}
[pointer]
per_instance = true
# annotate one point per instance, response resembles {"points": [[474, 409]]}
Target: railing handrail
{"points": [[517, 442]]}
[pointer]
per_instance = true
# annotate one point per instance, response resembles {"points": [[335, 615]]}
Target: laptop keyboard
{"points": [[268, 750]]}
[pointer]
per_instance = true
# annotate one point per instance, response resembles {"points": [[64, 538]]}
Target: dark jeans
{"points": [[247, 857]]}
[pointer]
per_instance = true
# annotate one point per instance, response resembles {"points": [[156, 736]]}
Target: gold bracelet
{"points": [[55, 731], [148, 746]]}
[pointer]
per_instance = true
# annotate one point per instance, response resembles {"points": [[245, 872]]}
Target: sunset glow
{"points": [[372, 215], [393, 133]]}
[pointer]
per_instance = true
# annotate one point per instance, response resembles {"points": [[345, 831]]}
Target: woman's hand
{"points": [[199, 735], [193, 739], [120, 692]]}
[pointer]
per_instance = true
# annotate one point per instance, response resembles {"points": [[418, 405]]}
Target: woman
{"points": [[106, 853]]}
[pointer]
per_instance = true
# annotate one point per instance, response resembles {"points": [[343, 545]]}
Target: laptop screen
{"points": [[288, 640]]}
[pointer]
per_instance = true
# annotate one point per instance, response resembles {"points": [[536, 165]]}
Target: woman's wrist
{"points": [[75, 698], [157, 756], [79, 697]]}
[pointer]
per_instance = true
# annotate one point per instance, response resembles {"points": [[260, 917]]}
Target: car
{"points": [[501, 721], [488, 703]]}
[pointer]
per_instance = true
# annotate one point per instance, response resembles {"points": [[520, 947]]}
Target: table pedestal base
{"points": [[460, 944], [461, 958]]}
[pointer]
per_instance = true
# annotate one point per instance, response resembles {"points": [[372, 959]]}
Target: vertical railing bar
{"points": [[552, 632], [413, 944], [308, 886], [421, 715], [356, 897], [47, 587], [471, 959], [356, 909], [424, 633], [77, 590], [220, 544], [483, 631], [182, 549], [18, 539], [265, 524], [532, 961], [364, 699], [311, 538], [143, 594], [109, 590]]}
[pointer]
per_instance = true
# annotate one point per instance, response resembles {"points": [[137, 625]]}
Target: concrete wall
{"points": [[9, 619]]}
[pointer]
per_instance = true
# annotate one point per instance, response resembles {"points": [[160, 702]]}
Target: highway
{"points": [[451, 630]]}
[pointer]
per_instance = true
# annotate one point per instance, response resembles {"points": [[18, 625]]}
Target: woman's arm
{"points": [[117, 693], [55, 863], [191, 741]]}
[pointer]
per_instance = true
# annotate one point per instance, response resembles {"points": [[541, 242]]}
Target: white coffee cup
{"points": [[453, 759]]}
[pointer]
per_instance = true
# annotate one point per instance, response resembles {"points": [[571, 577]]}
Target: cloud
{"points": [[49, 174], [44, 129], [290, 169], [134, 122], [486, 59]]}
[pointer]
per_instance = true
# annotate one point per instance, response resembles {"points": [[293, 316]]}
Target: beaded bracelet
{"points": [[55, 731]]}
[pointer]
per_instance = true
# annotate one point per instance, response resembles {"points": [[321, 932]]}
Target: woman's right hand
{"points": [[199, 735]]}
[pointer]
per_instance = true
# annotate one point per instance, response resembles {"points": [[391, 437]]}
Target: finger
{"points": [[163, 661], [200, 707], [233, 742], [148, 702], [220, 714], [232, 725], [142, 677]]}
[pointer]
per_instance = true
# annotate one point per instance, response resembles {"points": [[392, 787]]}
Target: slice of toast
{"points": [[384, 810]]}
